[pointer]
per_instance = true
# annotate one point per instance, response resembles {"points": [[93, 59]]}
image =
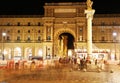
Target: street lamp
{"points": [[3, 35], [114, 35]]}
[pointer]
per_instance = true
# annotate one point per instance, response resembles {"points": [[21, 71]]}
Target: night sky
{"points": [[35, 7]]}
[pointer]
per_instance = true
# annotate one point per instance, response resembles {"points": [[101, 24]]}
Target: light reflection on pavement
{"points": [[61, 75]]}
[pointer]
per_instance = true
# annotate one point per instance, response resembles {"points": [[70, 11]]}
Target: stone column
{"points": [[89, 15]]}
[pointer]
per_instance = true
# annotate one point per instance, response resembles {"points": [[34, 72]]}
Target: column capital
{"points": [[89, 13]]}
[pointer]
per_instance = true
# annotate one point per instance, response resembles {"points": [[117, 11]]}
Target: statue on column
{"points": [[89, 4], [59, 46], [64, 45]]}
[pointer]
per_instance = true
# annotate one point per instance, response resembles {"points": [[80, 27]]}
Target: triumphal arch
{"points": [[65, 19]]}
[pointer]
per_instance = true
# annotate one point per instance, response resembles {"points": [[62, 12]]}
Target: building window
{"points": [[81, 38], [8, 24], [18, 38], [48, 29], [39, 23], [28, 38], [38, 31], [48, 38], [39, 38], [28, 31], [103, 38], [8, 38], [18, 31], [81, 29], [18, 24], [28, 23]]}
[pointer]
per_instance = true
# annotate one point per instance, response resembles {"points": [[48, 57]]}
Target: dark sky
{"points": [[35, 7]]}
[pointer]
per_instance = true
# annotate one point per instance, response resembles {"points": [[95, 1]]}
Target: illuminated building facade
{"points": [[61, 31]]}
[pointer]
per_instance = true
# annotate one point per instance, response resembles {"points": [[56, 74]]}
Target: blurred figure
{"points": [[96, 61], [78, 62], [32, 66]]}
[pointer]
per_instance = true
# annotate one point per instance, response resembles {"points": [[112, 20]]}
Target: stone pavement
{"points": [[110, 74]]}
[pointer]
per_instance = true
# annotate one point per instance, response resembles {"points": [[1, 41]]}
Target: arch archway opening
{"points": [[66, 44]]}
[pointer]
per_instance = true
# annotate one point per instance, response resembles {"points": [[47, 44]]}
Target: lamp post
{"points": [[3, 35], [114, 36]]}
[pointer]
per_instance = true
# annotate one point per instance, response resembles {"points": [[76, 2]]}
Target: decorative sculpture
{"points": [[89, 4]]}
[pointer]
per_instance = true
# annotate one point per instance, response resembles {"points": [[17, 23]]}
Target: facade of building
{"points": [[61, 31]]}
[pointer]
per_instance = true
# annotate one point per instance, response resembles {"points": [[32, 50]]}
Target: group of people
{"points": [[79, 63], [82, 63], [72, 62]]}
